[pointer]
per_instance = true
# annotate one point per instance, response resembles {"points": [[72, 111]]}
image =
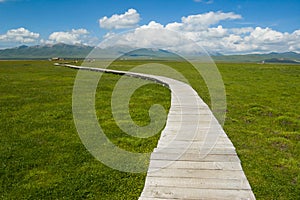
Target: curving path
{"points": [[194, 158]]}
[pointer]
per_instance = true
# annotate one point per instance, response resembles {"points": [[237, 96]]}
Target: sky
{"points": [[223, 26]]}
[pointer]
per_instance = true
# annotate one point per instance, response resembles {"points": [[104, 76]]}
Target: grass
{"points": [[263, 122], [42, 156]]}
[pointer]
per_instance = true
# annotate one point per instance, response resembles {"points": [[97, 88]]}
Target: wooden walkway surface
{"points": [[194, 158]]}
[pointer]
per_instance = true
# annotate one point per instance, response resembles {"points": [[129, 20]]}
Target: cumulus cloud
{"points": [[266, 35], [209, 18], [152, 35], [294, 41], [256, 40], [129, 19], [246, 40], [20, 35], [75, 36], [202, 21], [243, 30], [206, 31], [204, 1]]}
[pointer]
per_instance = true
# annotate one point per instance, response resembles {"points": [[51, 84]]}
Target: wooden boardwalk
{"points": [[194, 158]]}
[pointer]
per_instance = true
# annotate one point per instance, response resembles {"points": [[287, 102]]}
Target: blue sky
{"points": [[263, 24]]}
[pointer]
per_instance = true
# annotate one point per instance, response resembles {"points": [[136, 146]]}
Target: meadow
{"points": [[42, 156]]}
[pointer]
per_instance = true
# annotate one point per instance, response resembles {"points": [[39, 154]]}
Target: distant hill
{"points": [[276, 60], [149, 53], [80, 51], [46, 51], [289, 57]]}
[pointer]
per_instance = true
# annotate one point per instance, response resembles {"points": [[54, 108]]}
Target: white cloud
{"points": [[129, 19], [217, 32], [206, 30], [20, 35], [248, 40], [205, 1], [294, 41], [152, 35], [75, 36], [203, 21], [243, 30], [175, 35], [212, 38], [256, 40], [266, 35], [108, 35]]}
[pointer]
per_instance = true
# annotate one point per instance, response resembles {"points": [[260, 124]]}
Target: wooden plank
{"points": [[197, 194], [192, 118], [170, 136], [208, 183], [198, 173], [227, 166], [194, 157], [214, 151], [193, 145], [189, 136]]}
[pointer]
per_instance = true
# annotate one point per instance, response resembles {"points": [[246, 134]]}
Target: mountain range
{"points": [[80, 51], [46, 51], [286, 57]]}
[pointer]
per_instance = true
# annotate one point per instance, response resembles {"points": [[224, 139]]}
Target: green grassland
{"points": [[263, 123], [42, 156]]}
